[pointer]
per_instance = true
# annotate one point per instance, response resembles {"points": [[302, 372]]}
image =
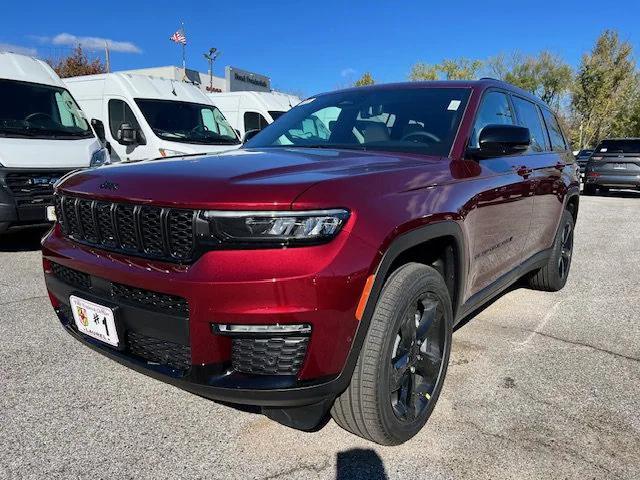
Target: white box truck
{"points": [[141, 117], [248, 111], [43, 136]]}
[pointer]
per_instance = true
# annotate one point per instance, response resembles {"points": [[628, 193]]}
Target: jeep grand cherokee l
{"points": [[320, 270]]}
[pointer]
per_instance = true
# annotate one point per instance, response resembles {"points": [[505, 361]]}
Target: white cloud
{"points": [[347, 72], [18, 49], [92, 43]]}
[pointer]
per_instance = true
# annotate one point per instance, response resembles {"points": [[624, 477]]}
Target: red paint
{"points": [[387, 193]]}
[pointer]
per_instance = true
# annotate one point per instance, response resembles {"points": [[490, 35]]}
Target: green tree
{"points": [[365, 79], [448, 69], [460, 69], [606, 90], [545, 75], [423, 71], [77, 64]]}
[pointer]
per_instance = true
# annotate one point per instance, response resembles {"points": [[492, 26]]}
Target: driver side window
{"points": [[495, 109], [119, 113]]}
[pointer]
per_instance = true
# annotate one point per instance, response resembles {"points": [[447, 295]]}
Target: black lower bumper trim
{"points": [[239, 390]]}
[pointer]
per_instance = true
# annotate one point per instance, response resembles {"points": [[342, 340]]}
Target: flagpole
{"points": [[184, 62]]}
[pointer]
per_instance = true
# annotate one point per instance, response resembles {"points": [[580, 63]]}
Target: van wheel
{"points": [[553, 276], [402, 364]]}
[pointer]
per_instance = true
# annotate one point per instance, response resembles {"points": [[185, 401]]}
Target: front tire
{"points": [[403, 362], [553, 276]]}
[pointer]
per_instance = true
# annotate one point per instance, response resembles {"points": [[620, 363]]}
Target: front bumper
{"points": [[319, 286], [25, 195]]}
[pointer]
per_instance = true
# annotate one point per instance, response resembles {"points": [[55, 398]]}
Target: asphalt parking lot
{"points": [[540, 385]]}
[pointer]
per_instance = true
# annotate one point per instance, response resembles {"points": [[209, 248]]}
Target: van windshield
{"points": [[187, 122], [421, 120], [40, 111]]}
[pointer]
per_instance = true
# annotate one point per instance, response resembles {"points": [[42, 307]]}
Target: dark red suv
{"points": [[322, 267]]}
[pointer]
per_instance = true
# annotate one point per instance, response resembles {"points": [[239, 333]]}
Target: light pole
{"points": [[211, 56]]}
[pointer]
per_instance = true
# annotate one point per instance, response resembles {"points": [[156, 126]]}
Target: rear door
{"points": [[618, 160]]}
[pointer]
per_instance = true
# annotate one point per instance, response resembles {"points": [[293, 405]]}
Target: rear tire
{"points": [[402, 364], [589, 189], [553, 276]]}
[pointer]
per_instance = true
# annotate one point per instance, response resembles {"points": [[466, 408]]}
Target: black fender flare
{"points": [[403, 242]]}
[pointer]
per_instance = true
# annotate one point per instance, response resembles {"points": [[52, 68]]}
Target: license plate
{"points": [[51, 213], [620, 166], [94, 320]]}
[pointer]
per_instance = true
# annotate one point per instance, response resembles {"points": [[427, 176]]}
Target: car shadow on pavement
{"points": [[360, 463], [22, 240]]}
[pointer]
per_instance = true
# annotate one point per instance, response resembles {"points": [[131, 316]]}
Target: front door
{"points": [[499, 216], [119, 112]]}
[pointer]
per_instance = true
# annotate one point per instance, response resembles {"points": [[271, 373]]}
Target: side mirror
{"points": [[98, 127], [127, 134], [248, 135], [501, 140]]}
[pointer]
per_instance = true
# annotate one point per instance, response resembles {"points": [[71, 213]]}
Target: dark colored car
{"points": [[320, 270], [582, 158], [615, 163]]}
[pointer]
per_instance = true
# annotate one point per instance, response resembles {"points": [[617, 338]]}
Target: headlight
{"points": [[99, 157], [165, 152], [278, 228]]}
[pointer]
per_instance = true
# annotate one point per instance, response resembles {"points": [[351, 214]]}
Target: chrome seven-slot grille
{"points": [[147, 231]]}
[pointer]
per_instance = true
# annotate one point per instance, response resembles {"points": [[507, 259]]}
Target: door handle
{"points": [[524, 171]]}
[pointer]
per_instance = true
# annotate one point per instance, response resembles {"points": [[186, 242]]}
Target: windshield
{"points": [[187, 122], [619, 146], [417, 120], [40, 111], [275, 114]]}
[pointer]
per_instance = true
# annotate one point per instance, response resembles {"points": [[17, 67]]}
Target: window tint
{"points": [[555, 133], [254, 121], [530, 118], [494, 110], [119, 113]]}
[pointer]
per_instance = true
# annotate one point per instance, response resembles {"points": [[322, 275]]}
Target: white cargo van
{"points": [[247, 111], [140, 117], [43, 135]]}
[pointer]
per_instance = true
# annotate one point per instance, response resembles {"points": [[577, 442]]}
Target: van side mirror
{"points": [[98, 127], [501, 140], [127, 134], [248, 135]]}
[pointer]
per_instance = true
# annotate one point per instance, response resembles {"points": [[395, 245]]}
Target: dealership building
{"points": [[235, 79]]}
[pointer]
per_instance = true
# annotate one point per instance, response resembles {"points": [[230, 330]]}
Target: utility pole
{"points": [[107, 57], [211, 56]]}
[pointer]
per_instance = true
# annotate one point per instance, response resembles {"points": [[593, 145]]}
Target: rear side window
{"points": [[119, 113], [529, 117], [495, 109], [558, 142]]}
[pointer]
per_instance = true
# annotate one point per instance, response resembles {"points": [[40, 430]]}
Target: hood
{"points": [[43, 153], [191, 148], [246, 178]]}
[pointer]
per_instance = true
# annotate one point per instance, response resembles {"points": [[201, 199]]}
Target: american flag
{"points": [[179, 37]]}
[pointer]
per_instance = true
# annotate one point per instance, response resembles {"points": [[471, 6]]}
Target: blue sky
{"points": [[309, 47]]}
